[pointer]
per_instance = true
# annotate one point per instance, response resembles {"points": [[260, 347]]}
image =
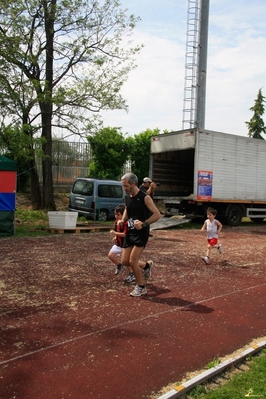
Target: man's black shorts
{"points": [[135, 240]]}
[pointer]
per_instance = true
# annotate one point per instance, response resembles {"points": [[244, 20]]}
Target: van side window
{"points": [[83, 187], [116, 191], [103, 190], [110, 191]]}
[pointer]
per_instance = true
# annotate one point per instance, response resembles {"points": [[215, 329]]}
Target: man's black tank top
{"points": [[136, 209]]}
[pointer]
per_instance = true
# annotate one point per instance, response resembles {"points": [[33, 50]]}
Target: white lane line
{"points": [[67, 341]]}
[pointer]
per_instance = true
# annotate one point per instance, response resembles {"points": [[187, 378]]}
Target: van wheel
{"points": [[103, 215]]}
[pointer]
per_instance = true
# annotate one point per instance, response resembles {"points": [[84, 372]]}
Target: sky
{"points": [[236, 66]]}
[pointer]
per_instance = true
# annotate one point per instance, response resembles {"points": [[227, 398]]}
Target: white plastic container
{"points": [[62, 220]]}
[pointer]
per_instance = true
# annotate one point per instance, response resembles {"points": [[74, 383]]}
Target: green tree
{"points": [[140, 152], [69, 60], [256, 124], [110, 152]]}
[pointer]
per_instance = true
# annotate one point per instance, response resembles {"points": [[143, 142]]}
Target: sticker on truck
{"points": [[205, 178]]}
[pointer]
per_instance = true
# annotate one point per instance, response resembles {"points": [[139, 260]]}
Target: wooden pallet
{"points": [[80, 229]]}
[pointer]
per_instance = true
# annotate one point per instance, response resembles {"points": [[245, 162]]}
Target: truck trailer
{"points": [[198, 168]]}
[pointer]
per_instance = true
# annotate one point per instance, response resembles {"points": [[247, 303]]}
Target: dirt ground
{"points": [[70, 329]]}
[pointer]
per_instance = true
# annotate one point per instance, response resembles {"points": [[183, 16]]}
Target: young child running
{"points": [[213, 228], [119, 233]]}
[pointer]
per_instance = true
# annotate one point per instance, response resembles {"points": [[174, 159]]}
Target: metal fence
{"points": [[69, 161]]}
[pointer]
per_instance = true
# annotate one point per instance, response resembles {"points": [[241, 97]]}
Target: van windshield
{"points": [[83, 187]]}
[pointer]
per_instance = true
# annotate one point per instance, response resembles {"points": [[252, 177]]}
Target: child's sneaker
{"points": [[205, 259], [130, 278], [220, 248], [118, 269], [147, 272], [138, 291]]}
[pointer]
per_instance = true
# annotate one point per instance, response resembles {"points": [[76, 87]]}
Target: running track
{"points": [[88, 339]]}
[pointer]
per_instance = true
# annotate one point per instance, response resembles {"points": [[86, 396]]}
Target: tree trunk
{"points": [[36, 197], [47, 108], [47, 171]]}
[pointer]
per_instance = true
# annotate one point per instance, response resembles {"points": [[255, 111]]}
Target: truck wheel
{"points": [[234, 215]]}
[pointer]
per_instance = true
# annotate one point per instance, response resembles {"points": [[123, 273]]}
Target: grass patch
{"points": [[31, 223], [28, 216], [36, 223], [31, 231], [214, 363], [246, 384]]}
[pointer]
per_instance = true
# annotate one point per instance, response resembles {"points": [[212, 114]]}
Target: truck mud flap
{"points": [[166, 222]]}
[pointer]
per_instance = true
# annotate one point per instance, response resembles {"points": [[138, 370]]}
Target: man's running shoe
{"points": [[147, 272], [118, 269], [220, 248], [205, 259], [138, 291], [130, 278]]}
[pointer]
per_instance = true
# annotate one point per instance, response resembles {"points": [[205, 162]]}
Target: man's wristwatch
{"points": [[144, 224]]}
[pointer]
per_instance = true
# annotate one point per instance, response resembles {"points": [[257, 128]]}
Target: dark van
{"points": [[95, 198]]}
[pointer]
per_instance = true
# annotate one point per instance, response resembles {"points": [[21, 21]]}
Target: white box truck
{"points": [[196, 169]]}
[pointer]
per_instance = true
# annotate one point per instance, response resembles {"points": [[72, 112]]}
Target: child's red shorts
{"points": [[213, 241]]}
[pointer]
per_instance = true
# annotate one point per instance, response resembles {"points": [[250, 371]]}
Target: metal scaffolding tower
{"points": [[196, 64]]}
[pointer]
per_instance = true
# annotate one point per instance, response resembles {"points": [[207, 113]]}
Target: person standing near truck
{"points": [[140, 212], [213, 227], [148, 187]]}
